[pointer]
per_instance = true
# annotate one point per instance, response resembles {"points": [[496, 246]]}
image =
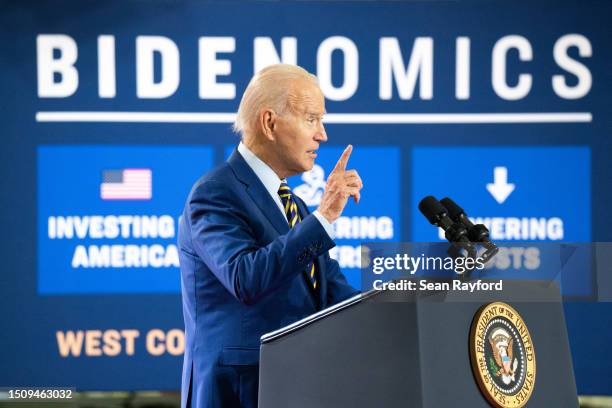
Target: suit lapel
{"points": [[256, 190]]}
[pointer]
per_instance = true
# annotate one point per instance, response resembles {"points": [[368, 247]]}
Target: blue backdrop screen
{"points": [[114, 109]]}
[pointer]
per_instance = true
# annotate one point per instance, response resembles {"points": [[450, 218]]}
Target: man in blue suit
{"points": [[253, 259]]}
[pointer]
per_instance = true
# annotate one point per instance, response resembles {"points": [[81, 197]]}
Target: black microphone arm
{"points": [[476, 232]]}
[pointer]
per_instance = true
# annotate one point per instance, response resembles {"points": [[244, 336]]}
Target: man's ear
{"points": [[268, 123]]}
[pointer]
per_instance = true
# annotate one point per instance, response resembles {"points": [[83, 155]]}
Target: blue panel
{"points": [[524, 194], [550, 186], [89, 242], [377, 216]]}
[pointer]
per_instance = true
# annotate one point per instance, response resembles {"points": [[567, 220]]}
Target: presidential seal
{"points": [[502, 356]]}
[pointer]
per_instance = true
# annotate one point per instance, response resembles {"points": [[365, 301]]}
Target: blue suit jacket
{"points": [[242, 275]]}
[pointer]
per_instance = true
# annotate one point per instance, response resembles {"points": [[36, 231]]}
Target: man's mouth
{"points": [[312, 153]]}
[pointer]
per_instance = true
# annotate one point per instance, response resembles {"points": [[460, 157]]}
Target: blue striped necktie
{"points": [[291, 211]]}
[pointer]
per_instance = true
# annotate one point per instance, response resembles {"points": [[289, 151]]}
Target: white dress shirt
{"points": [[272, 183]]}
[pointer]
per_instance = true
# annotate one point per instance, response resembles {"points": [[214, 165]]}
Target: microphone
{"points": [[476, 232], [455, 232]]}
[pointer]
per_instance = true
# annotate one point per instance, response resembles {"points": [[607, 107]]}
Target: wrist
{"points": [[327, 215]]}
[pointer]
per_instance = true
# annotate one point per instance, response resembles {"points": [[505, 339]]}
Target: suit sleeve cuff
{"points": [[329, 228]]}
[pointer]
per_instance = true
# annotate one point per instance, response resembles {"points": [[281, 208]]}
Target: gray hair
{"points": [[268, 89]]}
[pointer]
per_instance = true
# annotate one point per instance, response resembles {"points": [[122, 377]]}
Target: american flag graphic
{"points": [[126, 184]]}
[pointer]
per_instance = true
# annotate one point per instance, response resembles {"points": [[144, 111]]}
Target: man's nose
{"points": [[321, 135]]}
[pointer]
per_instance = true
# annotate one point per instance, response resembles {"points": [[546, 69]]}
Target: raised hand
{"points": [[341, 184]]}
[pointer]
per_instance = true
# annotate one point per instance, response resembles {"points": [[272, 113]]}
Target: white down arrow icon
{"points": [[500, 189]]}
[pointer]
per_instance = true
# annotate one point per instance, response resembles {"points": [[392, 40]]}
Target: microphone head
{"points": [[454, 211], [431, 208]]}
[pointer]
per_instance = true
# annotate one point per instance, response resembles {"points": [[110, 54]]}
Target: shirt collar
{"points": [[265, 174]]}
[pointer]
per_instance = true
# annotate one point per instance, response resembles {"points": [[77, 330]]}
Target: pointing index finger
{"points": [[343, 160]]}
